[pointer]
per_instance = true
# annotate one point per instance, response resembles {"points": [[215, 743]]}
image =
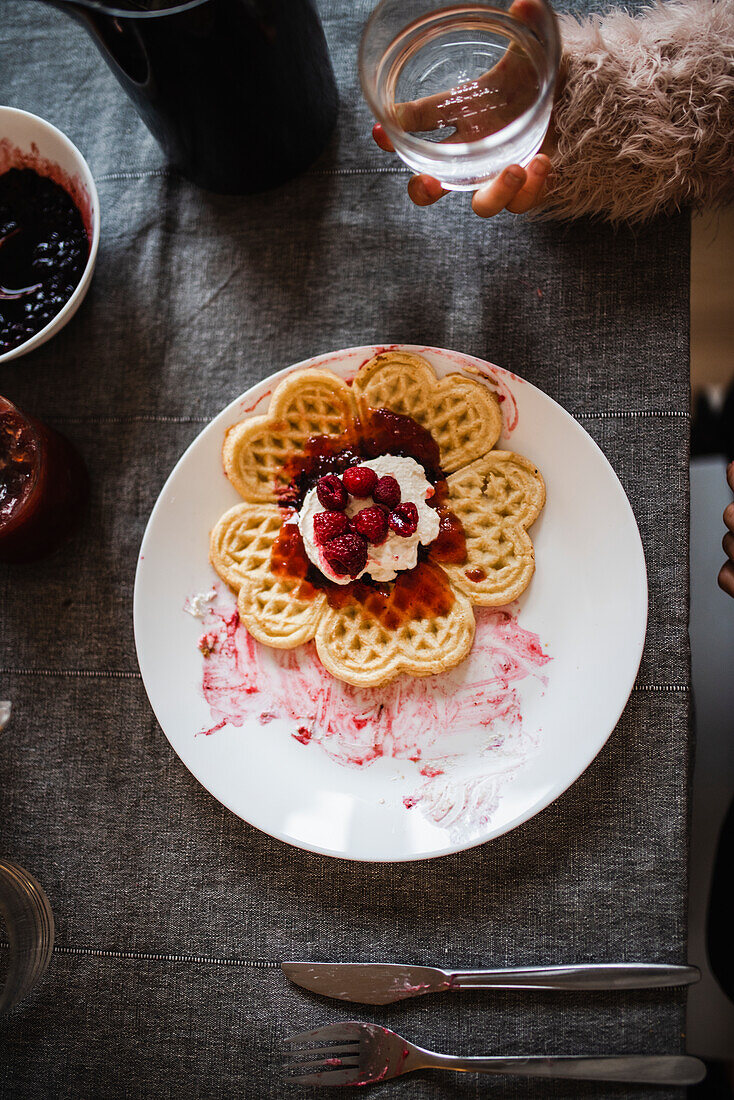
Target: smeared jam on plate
{"points": [[44, 249], [418, 593]]}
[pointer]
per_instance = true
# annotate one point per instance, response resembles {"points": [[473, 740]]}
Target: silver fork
{"points": [[354, 1053]]}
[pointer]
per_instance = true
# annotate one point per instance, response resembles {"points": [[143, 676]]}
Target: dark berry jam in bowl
{"points": [[43, 486], [49, 231]]}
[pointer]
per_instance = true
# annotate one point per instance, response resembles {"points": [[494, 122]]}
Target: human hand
{"points": [[726, 573], [475, 110]]}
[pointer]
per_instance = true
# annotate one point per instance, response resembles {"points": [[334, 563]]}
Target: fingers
{"points": [[425, 190], [423, 114], [493, 198], [726, 573], [516, 190], [529, 12], [382, 139], [530, 195], [726, 578]]}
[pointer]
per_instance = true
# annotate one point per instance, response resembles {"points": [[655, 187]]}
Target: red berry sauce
{"points": [[288, 559], [44, 249], [450, 544], [475, 575], [382, 432], [419, 593]]}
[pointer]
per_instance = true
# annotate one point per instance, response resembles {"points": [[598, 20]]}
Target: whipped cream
{"points": [[395, 554], [198, 605]]}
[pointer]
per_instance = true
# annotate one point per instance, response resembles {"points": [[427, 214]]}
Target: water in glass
{"points": [[472, 77]]}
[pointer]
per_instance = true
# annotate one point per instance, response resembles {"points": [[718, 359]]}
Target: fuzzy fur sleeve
{"points": [[645, 116]]}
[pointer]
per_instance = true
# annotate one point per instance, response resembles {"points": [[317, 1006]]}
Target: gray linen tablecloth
{"points": [[172, 914]]}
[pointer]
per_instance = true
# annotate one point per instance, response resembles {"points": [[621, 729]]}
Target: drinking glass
{"points": [[461, 90], [29, 925]]}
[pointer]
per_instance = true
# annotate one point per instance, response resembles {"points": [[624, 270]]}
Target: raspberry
{"points": [[372, 523], [387, 492], [347, 555], [360, 480], [329, 525], [403, 520], [331, 493]]}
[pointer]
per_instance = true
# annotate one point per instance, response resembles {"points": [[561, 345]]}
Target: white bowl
{"points": [[27, 141]]}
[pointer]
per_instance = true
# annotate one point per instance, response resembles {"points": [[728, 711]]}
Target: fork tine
{"points": [[320, 1052], [334, 1077], [333, 1032], [339, 1062], [325, 1071]]}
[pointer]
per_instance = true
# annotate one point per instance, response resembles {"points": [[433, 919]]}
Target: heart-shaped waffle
{"points": [[358, 647], [422, 623], [462, 415], [305, 404], [240, 550], [496, 498]]}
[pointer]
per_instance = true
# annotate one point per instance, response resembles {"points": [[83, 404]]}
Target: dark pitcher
{"points": [[240, 94]]}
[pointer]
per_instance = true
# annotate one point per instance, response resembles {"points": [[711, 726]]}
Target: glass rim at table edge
{"points": [[451, 151], [232, 408]]}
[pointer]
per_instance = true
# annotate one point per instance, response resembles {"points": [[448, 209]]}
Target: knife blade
{"points": [[384, 983]]}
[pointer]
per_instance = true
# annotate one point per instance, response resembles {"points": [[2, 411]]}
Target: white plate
{"points": [[508, 731]]}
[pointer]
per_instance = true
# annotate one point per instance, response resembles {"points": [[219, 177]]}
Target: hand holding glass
{"points": [[461, 90]]}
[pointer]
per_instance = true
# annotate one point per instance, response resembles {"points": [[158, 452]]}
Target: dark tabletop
{"points": [[172, 914]]}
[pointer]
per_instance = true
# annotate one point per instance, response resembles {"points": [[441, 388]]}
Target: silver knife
{"points": [[383, 983]]}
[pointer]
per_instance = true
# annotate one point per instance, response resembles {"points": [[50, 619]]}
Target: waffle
{"points": [[496, 494], [462, 415], [269, 606], [305, 404], [241, 542], [356, 647], [496, 498]]}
